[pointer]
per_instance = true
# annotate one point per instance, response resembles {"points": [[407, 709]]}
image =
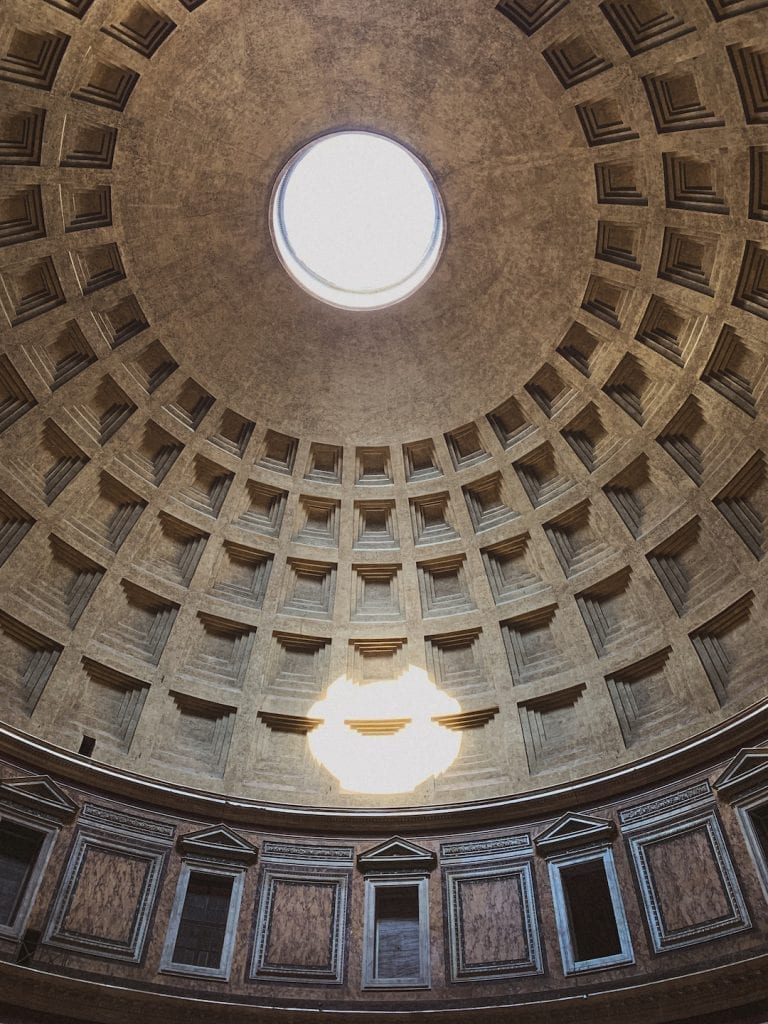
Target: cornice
{"points": [[710, 990], [697, 753]]}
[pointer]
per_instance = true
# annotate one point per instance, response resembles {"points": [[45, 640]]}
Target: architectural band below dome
{"points": [[119, 901]]}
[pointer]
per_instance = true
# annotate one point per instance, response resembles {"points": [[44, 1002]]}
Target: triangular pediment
{"points": [[41, 793], [573, 831], [218, 841], [397, 854], [747, 770]]}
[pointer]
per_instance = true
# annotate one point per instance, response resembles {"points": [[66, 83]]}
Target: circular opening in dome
{"points": [[357, 220]]}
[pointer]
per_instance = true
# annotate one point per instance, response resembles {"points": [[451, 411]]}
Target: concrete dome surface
{"points": [[536, 487]]}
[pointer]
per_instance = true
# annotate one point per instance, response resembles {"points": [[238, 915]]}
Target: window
{"points": [[396, 928], [759, 818], [23, 854], [754, 819], [396, 933], [591, 923], [744, 784], [590, 911], [396, 941], [202, 928]]}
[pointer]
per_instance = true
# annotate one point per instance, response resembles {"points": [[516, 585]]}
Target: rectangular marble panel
{"points": [[106, 897], [300, 929], [689, 887], [301, 926], [105, 901], [492, 926]]}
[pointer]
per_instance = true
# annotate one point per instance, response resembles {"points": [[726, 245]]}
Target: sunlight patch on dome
{"points": [[380, 737]]}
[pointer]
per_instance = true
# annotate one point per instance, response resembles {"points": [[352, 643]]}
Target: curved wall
{"points": [[690, 877]]}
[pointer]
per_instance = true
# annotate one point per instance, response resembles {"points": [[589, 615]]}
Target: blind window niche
{"points": [[203, 924], [396, 933], [754, 820], [23, 854], [591, 923], [759, 818], [396, 941], [201, 931]]}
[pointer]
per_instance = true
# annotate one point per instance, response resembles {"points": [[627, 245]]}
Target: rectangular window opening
{"points": [[592, 920], [759, 817], [591, 924], [19, 850], [397, 935], [87, 745], [396, 948], [203, 925]]}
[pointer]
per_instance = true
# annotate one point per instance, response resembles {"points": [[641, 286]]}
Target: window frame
{"points": [[189, 867], [567, 944], [15, 929], [373, 883], [745, 807]]}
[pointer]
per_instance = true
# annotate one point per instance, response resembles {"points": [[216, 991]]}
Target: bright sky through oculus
{"points": [[357, 220]]}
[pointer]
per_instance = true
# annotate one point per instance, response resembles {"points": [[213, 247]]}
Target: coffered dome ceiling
{"points": [[512, 167], [540, 479]]}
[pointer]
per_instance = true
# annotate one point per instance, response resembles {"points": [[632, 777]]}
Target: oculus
{"points": [[357, 220]]}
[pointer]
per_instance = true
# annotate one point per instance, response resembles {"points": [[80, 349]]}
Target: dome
{"points": [[517, 517]]}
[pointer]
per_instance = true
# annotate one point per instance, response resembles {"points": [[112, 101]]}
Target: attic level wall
{"points": [[690, 876]]}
